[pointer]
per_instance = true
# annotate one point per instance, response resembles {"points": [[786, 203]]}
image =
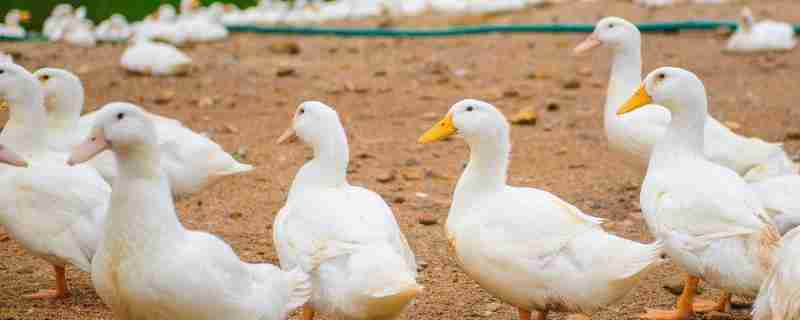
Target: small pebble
{"points": [[285, 72], [285, 47], [385, 177], [421, 265], [572, 84], [716, 315], [427, 219], [552, 105], [525, 117]]}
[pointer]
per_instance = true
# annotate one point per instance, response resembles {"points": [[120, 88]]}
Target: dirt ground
{"points": [[388, 91]]}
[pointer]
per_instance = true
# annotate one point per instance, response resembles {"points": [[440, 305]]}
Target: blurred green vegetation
{"points": [[97, 10]]}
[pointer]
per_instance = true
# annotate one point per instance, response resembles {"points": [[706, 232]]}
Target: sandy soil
{"points": [[388, 91]]}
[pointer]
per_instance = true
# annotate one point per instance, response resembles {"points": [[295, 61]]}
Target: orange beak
{"points": [[24, 16]]}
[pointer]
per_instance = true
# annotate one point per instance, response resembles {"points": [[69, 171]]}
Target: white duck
{"points": [[779, 297], [781, 197], [484, 7], [199, 27], [450, 6], [79, 34], [153, 58], [149, 266], [526, 246], [190, 160], [11, 28], [766, 35], [374, 275], [54, 211], [713, 225], [54, 24], [161, 25], [636, 133], [113, 29]]}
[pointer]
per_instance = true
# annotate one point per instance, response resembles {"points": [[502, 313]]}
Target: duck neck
{"points": [[23, 130], [142, 209], [626, 76], [487, 168], [138, 162], [684, 138], [64, 112], [328, 168]]}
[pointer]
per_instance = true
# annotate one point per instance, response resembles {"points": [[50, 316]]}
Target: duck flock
{"points": [[96, 191]]}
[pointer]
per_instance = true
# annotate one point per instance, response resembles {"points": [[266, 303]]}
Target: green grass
{"points": [[97, 9]]}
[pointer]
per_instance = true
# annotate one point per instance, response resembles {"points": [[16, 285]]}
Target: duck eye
{"points": [[611, 25], [662, 76], [120, 116], [301, 111], [2, 71], [470, 108]]}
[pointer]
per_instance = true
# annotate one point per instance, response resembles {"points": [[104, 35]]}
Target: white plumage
{"points": [[637, 132], [713, 225], [154, 58], [526, 246], [149, 266], [779, 297], [766, 35], [59, 224], [372, 274], [190, 160]]}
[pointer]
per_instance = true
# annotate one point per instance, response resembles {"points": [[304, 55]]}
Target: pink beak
{"points": [[11, 157], [590, 43], [95, 144]]}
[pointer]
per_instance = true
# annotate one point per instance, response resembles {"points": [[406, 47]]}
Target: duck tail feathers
{"points": [[643, 258], [299, 288]]}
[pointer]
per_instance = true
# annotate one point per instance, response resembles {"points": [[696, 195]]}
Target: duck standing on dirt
{"points": [[636, 133], [526, 246], [53, 210], [373, 273], [712, 224], [149, 266]]}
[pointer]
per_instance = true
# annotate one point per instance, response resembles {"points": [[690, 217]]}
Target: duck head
{"points": [[313, 123], [612, 32], [63, 91], [746, 19], [16, 16], [122, 127], [16, 85], [473, 119], [678, 90]]}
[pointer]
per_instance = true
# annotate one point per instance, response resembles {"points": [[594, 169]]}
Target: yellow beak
{"points": [[639, 99], [24, 16], [3, 104], [442, 129]]}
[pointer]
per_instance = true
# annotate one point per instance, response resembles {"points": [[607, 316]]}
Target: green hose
{"points": [[456, 31], [473, 30]]}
